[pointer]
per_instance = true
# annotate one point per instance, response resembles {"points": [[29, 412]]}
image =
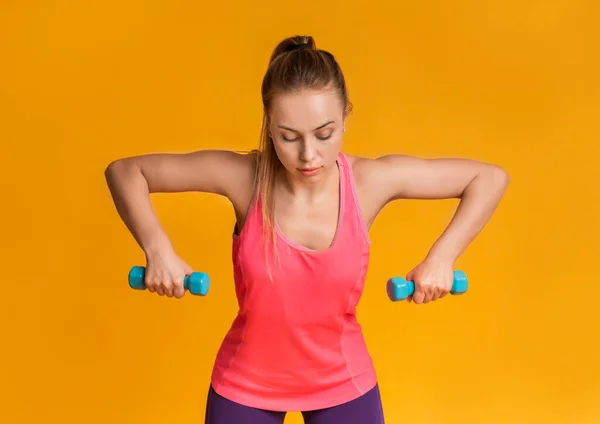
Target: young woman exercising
{"points": [[301, 244]]}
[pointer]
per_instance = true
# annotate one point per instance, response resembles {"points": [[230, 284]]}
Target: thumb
{"points": [[188, 269]]}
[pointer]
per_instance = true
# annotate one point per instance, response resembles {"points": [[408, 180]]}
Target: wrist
{"points": [[443, 255], [158, 244]]}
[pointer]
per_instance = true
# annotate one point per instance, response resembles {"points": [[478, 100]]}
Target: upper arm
{"points": [[406, 177], [212, 171]]}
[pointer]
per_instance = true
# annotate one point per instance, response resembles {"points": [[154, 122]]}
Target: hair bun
{"points": [[290, 44], [300, 46]]}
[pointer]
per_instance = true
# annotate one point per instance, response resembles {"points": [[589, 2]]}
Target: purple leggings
{"points": [[366, 409]]}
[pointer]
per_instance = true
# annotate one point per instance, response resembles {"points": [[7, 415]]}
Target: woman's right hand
{"points": [[165, 272]]}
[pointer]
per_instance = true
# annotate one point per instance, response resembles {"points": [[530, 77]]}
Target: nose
{"points": [[308, 151]]}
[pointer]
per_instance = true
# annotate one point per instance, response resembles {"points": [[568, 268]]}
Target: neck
{"points": [[309, 189]]}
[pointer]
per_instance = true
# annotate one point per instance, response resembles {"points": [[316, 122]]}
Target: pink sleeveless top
{"points": [[296, 344]]}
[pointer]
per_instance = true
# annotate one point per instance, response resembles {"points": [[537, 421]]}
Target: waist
{"points": [[273, 340], [294, 363]]}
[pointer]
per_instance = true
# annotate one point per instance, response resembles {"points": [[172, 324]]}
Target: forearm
{"points": [[478, 202], [131, 197]]}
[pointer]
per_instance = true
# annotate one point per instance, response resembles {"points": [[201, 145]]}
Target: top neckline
{"points": [[341, 211]]}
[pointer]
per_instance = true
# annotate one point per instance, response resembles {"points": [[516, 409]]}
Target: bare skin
{"points": [[307, 131]]}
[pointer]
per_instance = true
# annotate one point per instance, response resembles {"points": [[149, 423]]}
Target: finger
{"points": [[418, 296], [178, 290], [149, 284], [443, 292], [427, 293], [435, 293], [409, 298], [430, 295], [160, 291], [168, 289], [422, 294]]}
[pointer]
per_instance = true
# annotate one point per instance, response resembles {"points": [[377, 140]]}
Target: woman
{"points": [[301, 245]]}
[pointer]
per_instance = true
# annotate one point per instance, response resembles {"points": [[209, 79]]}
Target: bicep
{"points": [[408, 177]]}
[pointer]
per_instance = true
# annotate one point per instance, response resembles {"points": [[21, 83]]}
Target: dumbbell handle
{"points": [[399, 289], [197, 283]]}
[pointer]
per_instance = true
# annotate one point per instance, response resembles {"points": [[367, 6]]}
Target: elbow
{"points": [[499, 177], [116, 169], [490, 178], [112, 169]]}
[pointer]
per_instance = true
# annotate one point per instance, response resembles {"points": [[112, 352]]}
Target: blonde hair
{"points": [[295, 64]]}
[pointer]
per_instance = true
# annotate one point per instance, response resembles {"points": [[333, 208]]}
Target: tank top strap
{"points": [[352, 206], [253, 214]]}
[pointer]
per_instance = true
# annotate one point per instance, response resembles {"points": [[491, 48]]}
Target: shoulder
{"points": [[366, 172], [234, 159], [235, 167], [364, 168], [240, 169], [378, 177], [243, 162]]}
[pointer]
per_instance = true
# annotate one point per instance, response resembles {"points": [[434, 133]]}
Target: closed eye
{"points": [[298, 138]]}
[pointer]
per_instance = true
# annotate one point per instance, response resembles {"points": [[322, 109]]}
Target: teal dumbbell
{"points": [[399, 289], [197, 283]]}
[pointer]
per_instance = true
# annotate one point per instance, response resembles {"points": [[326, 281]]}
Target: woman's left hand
{"points": [[433, 280]]}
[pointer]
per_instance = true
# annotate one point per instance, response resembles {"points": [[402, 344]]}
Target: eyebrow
{"points": [[318, 128]]}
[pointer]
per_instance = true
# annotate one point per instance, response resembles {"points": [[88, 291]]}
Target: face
{"points": [[307, 129]]}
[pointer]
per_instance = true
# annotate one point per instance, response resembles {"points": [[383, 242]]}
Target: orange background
{"points": [[509, 82]]}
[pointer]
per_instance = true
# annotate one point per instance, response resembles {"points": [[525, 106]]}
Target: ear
{"points": [[268, 127]]}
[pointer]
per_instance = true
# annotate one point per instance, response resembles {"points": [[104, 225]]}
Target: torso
{"points": [[296, 343]]}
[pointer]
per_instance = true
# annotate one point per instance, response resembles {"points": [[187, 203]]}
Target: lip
{"points": [[308, 171]]}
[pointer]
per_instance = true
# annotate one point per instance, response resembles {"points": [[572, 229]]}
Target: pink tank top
{"points": [[296, 344]]}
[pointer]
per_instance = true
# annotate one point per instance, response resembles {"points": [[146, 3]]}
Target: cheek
{"points": [[332, 147], [286, 153]]}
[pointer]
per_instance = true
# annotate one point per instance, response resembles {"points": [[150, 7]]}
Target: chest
{"points": [[311, 225], [331, 281]]}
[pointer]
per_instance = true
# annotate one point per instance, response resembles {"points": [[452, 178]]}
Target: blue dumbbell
{"points": [[399, 289], [197, 283]]}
